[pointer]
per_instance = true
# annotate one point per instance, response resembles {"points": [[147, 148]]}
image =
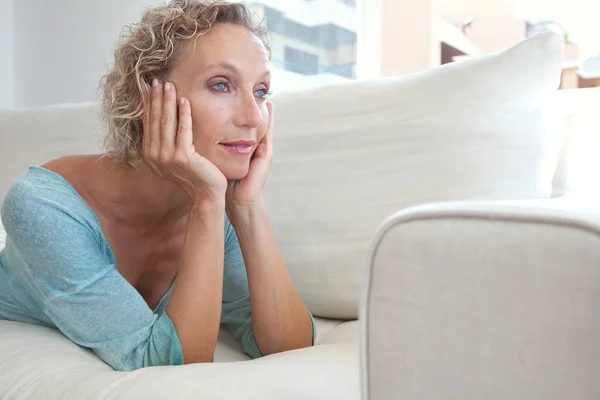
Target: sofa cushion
{"points": [[347, 156], [516, 318], [38, 362], [35, 136]]}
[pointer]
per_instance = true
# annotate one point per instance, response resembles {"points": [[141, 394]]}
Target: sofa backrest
{"points": [[34, 136], [347, 156]]}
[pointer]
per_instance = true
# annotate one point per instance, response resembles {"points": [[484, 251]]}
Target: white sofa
{"points": [[457, 143], [484, 300]]}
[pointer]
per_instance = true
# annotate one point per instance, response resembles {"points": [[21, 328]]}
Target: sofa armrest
{"points": [[482, 300]]}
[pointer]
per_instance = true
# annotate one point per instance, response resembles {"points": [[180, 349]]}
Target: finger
{"points": [[155, 117], [265, 146], [168, 128], [145, 129], [184, 131], [146, 134]]}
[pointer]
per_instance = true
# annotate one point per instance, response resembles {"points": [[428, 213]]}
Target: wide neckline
{"points": [[65, 182], [71, 188]]}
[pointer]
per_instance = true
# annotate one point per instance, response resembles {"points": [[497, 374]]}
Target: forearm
{"points": [[280, 320], [195, 304]]}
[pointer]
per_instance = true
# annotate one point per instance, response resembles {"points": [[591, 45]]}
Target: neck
{"points": [[141, 198]]}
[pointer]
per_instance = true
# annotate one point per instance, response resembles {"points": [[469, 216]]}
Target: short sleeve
{"points": [[236, 312], [58, 245]]}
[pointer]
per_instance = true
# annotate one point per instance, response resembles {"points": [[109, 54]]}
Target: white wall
{"points": [[7, 89], [62, 47]]}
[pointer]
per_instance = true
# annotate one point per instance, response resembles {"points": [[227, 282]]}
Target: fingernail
{"points": [[181, 101], [154, 82], [167, 86]]}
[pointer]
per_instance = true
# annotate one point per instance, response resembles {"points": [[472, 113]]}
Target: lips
{"points": [[240, 143], [239, 146]]}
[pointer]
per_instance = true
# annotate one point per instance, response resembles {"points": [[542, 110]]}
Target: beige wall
{"points": [[569, 79], [494, 34], [410, 36], [411, 39], [571, 51], [460, 11]]}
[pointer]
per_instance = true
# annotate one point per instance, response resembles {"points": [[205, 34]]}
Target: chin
{"points": [[235, 173]]}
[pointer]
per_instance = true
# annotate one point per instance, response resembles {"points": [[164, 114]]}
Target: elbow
{"points": [[197, 351], [198, 355], [197, 359], [301, 343], [294, 339], [287, 345]]}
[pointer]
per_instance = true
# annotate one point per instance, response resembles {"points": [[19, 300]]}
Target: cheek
{"points": [[208, 121]]}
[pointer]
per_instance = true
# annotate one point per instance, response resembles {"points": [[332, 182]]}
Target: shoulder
{"points": [[41, 195], [51, 231]]}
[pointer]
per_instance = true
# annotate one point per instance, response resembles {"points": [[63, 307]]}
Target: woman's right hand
{"points": [[168, 149]]}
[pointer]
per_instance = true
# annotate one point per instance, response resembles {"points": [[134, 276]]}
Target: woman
{"points": [[142, 252]]}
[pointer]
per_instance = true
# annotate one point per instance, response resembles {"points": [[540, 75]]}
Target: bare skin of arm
{"points": [[280, 321], [195, 304]]}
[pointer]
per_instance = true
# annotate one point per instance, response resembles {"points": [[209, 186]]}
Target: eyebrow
{"points": [[233, 68]]}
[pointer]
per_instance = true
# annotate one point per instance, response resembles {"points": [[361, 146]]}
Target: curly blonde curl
{"points": [[150, 49]]}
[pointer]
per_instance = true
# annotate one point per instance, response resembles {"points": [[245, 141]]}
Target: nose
{"points": [[247, 113]]}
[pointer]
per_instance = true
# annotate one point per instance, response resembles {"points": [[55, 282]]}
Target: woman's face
{"points": [[226, 78]]}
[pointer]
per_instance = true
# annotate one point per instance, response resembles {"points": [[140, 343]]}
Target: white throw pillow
{"points": [[348, 156]]}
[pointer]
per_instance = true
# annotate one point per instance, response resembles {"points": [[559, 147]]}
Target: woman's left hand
{"points": [[247, 192]]}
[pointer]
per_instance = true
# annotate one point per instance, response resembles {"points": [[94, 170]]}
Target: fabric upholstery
{"points": [[34, 136], [40, 363], [484, 301], [348, 156], [576, 120]]}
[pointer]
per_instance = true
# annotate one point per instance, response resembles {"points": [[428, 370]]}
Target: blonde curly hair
{"points": [[150, 49]]}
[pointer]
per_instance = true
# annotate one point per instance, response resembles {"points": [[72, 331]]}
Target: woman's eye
{"points": [[220, 87], [263, 93]]}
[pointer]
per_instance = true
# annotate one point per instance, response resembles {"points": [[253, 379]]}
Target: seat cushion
{"points": [[38, 362]]}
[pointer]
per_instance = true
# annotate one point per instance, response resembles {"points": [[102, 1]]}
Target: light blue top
{"points": [[58, 270]]}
